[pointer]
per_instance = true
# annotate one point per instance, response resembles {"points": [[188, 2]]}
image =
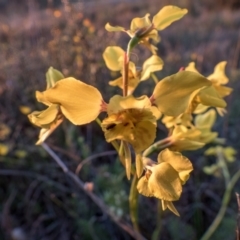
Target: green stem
{"points": [[223, 165], [154, 78], [98, 122], [133, 203], [157, 146], [221, 213], [125, 74], [157, 231]]}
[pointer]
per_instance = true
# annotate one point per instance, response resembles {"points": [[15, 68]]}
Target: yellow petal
{"points": [[222, 90], [112, 57], [168, 15], [164, 182], [79, 102], [207, 136], [44, 118], [45, 132], [186, 144], [133, 82], [52, 76], [138, 23], [151, 47], [173, 94], [137, 127], [229, 154], [110, 28], [118, 103], [41, 98], [152, 64], [142, 187], [200, 109], [206, 120], [139, 165], [219, 75], [210, 97], [25, 109], [191, 67], [170, 206], [128, 159], [4, 149], [180, 163]]}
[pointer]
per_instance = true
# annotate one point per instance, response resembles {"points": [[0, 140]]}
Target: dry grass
{"points": [[35, 195]]}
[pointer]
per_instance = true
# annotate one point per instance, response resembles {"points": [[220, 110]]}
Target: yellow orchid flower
{"points": [[218, 79], [183, 119], [182, 92], [113, 57], [165, 179], [183, 138], [192, 137], [78, 102], [50, 118], [131, 120], [144, 29]]}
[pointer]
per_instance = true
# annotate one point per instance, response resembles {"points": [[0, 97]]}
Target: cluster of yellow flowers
{"points": [[131, 121]]}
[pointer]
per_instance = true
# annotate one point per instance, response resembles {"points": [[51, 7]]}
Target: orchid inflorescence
{"points": [[181, 101]]}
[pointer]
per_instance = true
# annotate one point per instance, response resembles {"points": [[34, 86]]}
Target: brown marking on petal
{"points": [[110, 126], [148, 174]]}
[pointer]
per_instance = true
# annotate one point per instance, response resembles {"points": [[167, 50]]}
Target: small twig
{"points": [[71, 155], [90, 158], [125, 226], [238, 218]]}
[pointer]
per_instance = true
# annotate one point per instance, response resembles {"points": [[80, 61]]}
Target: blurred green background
{"points": [[37, 200]]}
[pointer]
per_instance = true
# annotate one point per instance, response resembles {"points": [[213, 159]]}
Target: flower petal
{"points": [[170, 206], [128, 159], [138, 23], [219, 75], [152, 64], [45, 132], [205, 120], [112, 57], [139, 165], [110, 28], [210, 97], [118, 103], [44, 118], [168, 15], [135, 126], [180, 163], [164, 182], [173, 94], [191, 67], [79, 102], [142, 187]]}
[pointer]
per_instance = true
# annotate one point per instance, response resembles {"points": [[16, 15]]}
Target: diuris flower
{"points": [[132, 120], [182, 92], [50, 118], [218, 78], [78, 102], [113, 57], [144, 29], [165, 179], [192, 137]]}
